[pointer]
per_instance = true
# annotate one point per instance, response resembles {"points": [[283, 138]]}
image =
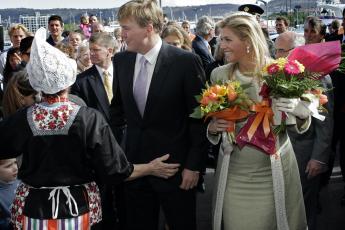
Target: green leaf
{"points": [[198, 98], [197, 114]]}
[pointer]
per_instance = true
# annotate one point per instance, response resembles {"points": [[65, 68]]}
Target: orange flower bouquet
{"points": [[226, 101]]}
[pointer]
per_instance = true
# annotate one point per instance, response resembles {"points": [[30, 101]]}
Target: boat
{"points": [[329, 10]]}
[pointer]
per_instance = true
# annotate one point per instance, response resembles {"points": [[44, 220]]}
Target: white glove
{"points": [[292, 106]]}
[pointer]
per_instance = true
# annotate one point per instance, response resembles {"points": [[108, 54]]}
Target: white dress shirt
{"points": [[151, 57]]}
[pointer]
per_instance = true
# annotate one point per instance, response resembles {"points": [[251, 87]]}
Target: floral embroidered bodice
{"points": [[51, 119]]}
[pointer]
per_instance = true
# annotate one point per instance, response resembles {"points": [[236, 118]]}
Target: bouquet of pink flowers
{"points": [[284, 78]]}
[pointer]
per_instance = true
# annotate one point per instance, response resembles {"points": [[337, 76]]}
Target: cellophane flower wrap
{"points": [[321, 58], [224, 100]]}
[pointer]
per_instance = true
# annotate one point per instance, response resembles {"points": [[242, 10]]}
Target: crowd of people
{"points": [[96, 132]]}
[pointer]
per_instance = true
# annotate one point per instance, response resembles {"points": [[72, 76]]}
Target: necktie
{"points": [[139, 91], [209, 49], [107, 85]]}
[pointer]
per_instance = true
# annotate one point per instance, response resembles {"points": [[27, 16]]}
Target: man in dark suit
{"points": [[333, 34], [204, 32], [154, 88], [94, 86], [312, 148], [91, 84]]}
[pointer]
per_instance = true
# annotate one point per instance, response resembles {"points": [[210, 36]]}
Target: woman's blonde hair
{"points": [[15, 27], [143, 12], [247, 28]]}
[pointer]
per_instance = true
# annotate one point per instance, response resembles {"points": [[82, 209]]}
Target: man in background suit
{"points": [[154, 88], [204, 32], [338, 145], [312, 148], [94, 86], [91, 85]]}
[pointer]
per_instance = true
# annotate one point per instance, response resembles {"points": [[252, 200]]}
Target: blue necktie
{"points": [[139, 91]]}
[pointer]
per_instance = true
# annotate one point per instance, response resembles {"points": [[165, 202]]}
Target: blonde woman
{"points": [[253, 190]]}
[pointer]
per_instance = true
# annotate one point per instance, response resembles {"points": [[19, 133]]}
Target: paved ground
{"points": [[332, 216]]}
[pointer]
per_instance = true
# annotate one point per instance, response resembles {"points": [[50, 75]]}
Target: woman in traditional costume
{"points": [[66, 149]]}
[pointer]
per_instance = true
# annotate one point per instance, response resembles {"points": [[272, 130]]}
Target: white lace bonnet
{"points": [[49, 69]]}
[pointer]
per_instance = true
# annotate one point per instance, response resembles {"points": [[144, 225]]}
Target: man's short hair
{"points": [[185, 22], [317, 24], [284, 19], [335, 24], [103, 39], [143, 12], [17, 27], [55, 18], [204, 25]]}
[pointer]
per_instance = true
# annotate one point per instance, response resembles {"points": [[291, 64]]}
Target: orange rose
{"points": [[213, 97], [204, 101], [323, 99], [232, 95]]}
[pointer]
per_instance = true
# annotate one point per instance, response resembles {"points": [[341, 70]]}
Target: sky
{"points": [[49, 4]]}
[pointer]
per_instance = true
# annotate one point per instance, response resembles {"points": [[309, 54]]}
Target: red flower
{"points": [[39, 117], [52, 125], [272, 69], [64, 117], [55, 113]]}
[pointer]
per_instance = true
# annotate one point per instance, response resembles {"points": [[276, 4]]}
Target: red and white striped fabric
{"points": [[78, 223]]}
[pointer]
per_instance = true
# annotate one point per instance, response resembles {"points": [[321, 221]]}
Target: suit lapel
{"points": [[158, 77], [98, 88], [127, 79]]}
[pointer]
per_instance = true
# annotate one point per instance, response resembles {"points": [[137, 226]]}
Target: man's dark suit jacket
{"points": [[165, 126], [201, 49], [90, 88], [334, 37], [213, 44]]}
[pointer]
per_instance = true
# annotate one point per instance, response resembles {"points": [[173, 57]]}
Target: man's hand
{"points": [[189, 179], [313, 169], [161, 169]]}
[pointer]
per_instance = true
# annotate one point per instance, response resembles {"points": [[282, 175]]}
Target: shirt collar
{"points": [[203, 40], [152, 55], [109, 70]]}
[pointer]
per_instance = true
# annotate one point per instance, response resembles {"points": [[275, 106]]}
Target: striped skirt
{"points": [[78, 223]]}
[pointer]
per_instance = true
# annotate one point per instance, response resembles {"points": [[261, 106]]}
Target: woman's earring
{"points": [[247, 49]]}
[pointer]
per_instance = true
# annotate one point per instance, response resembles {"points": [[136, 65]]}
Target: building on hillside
{"points": [[33, 23]]}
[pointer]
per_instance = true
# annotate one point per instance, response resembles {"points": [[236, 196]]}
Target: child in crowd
{"points": [[8, 185]]}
